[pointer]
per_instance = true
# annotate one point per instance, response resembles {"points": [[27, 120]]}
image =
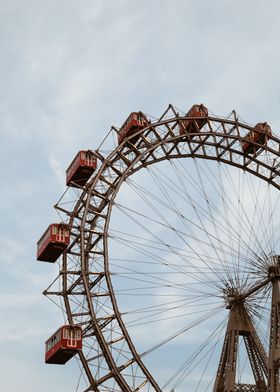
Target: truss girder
{"points": [[240, 324], [274, 346]]}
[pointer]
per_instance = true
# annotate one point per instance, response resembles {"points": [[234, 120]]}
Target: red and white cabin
{"points": [[134, 122], [188, 126], [53, 242], [63, 344], [260, 134], [81, 168]]}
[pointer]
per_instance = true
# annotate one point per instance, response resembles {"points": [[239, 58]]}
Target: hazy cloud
{"points": [[69, 70]]}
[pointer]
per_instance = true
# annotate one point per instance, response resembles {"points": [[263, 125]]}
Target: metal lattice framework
{"points": [[110, 360]]}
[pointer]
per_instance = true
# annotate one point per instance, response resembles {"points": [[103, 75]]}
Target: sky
{"points": [[69, 71]]}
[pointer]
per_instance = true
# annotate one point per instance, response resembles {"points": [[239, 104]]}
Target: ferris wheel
{"points": [[168, 252]]}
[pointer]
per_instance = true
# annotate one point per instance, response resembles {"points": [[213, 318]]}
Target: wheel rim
{"points": [[87, 287]]}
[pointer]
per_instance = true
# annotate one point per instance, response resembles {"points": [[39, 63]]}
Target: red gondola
{"points": [[260, 134], [53, 242], [188, 126], [81, 168], [134, 122], [63, 344]]}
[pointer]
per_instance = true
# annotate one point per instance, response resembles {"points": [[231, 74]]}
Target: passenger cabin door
{"points": [[140, 120], [89, 160], [60, 234], [71, 338]]}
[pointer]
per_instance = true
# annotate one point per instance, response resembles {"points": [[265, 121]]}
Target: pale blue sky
{"points": [[71, 69]]}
